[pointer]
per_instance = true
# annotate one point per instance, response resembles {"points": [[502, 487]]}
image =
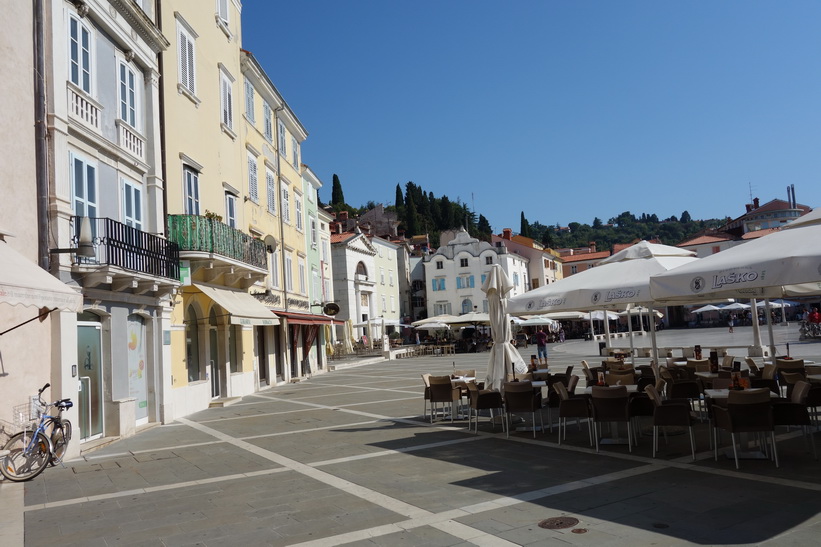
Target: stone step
{"points": [[225, 401]]}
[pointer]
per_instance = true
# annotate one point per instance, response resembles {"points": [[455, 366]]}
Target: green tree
{"points": [[685, 218], [483, 226], [411, 219], [597, 222], [524, 226], [400, 201], [337, 197]]}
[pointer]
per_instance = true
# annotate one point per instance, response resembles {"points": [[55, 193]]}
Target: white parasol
{"points": [[503, 356]]}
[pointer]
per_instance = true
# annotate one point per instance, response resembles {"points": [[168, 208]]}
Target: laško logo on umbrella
{"points": [[621, 294], [733, 277]]}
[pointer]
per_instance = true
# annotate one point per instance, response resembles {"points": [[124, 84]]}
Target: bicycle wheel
{"points": [[59, 441], [27, 457]]}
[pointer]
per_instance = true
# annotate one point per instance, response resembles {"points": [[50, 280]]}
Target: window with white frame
{"points": [[231, 209], [294, 153], [303, 289], [381, 276], [127, 91], [191, 189], [275, 269], [268, 126], [226, 100], [326, 289], [253, 185], [440, 308], [285, 203], [393, 303], [384, 303], [390, 277], [132, 204], [281, 143], [325, 251], [83, 186], [463, 262], [488, 260], [271, 187], [440, 265], [249, 101], [187, 57], [289, 275], [298, 211], [313, 232], [80, 54], [222, 11], [574, 269], [316, 285]]}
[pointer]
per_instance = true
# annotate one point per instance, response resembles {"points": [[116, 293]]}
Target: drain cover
{"points": [[579, 530], [557, 523]]}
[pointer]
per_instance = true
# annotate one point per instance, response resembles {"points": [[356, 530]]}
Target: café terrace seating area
{"points": [[724, 405]]}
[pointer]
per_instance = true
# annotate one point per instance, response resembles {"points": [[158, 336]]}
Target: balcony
{"points": [[128, 258], [83, 108], [130, 140], [219, 248]]}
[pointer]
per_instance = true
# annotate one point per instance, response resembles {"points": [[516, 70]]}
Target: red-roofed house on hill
{"points": [[580, 259]]}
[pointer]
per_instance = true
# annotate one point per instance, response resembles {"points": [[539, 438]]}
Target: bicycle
{"points": [[29, 452]]}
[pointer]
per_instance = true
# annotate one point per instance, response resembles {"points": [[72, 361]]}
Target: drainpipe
{"points": [[281, 208], [40, 136], [163, 166]]}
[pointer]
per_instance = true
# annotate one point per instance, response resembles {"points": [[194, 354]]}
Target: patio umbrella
{"points": [[349, 340], [472, 318], [621, 279], [444, 318], [705, 309], [735, 306], [502, 354], [538, 320], [783, 263], [433, 326]]}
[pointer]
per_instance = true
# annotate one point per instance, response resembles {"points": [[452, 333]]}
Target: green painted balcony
{"points": [[200, 234]]}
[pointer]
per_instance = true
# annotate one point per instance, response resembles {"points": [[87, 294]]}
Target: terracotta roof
{"points": [[759, 233], [585, 256], [705, 239], [341, 238]]}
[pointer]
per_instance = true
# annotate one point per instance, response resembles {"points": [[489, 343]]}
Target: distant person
{"points": [[541, 346], [561, 334], [731, 321], [418, 341], [815, 317]]}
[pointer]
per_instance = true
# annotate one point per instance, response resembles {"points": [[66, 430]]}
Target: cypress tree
{"points": [[400, 201], [337, 198]]}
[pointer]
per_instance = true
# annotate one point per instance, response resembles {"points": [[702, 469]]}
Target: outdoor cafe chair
{"points": [[747, 411], [442, 391], [670, 413], [426, 381], [618, 379], [789, 379], [754, 370], [484, 399], [796, 412], [611, 404], [521, 397], [572, 407]]}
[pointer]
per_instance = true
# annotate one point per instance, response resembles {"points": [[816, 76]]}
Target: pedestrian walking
{"points": [[731, 321], [541, 346]]}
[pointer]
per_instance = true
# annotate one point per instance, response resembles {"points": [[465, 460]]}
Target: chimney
{"points": [[755, 203], [507, 233], [343, 215], [749, 207], [792, 190], [592, 246]]}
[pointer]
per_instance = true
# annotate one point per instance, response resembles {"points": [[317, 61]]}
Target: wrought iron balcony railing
{"points": [[198, 233], [116, 244]]}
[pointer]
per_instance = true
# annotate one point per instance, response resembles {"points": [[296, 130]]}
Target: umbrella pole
{"points": [[756, 325], [769, 319], [653, 338], [606, 331], [630, 330]]}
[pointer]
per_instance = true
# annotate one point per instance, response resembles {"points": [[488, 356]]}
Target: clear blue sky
{"points": [[566, 110]]}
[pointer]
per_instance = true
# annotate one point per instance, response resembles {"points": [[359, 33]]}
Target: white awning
{"points": [[24, 283], [244, 308]]}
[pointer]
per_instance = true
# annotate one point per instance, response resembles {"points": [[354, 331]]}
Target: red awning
{"points": [[306, 318]]}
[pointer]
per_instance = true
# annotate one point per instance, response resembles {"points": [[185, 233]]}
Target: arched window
{"points": [[192, 345], [467, 305], [361, 269]]}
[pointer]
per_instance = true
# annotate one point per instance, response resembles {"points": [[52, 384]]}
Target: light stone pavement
{"points": [[345, 458]]}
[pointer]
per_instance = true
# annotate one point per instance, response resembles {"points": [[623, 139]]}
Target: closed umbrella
{"points": [[349, 340], [503, 356]]}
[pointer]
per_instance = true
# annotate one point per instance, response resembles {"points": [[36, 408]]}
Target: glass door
{"points": [[89, 357], [214, 359], [137, 374]]}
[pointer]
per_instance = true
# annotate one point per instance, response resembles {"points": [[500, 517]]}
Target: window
{"points": [[463, 262], [83, 187], [488, 260], [464, 282], [382, 276], [226, 101], [316, 286], [325, 251], [485, 307], [289, 276], [313, 232], [192, 344], [267, 122], [716, 249], [440, 265], [390, 277], [418, 301], [132, 204], [515, 279], [253, 190], [484, 276], [574, 269], [231, 210], [393, 303], [467, 305], [222, 11], [128, 95], [271, 187], [187, 56], [249, 101], [275, 269], [298, 211], [281, 130], [295, 153], [303, 289], [79, 54], [285, 204], [440, 308], [384, 303], [191, 186], [438, 284]]}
